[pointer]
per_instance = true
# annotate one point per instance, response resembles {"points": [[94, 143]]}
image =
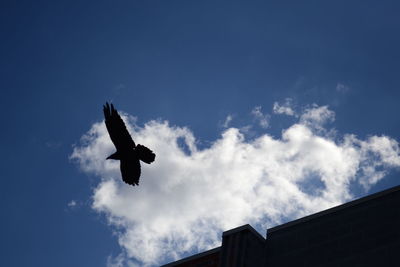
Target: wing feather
{"points": [[117, 130]]}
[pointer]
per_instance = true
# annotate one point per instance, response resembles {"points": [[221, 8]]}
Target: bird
{"points": [[127, 152]]}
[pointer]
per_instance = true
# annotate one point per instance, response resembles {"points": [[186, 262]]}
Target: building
{"points": [[363, 232]]}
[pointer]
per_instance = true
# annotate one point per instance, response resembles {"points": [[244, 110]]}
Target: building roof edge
{"points": [[193, 257], [247, 227], [335, 209]]}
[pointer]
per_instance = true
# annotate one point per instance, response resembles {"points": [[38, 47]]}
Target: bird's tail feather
{"points": [[145, 154]]}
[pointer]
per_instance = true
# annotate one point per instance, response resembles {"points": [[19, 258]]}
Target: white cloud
{"points": [[342, 88], [285, 108], [72, 204], [186, 198], [117, 261], [227, 121], [263, 119], [316, 117]]}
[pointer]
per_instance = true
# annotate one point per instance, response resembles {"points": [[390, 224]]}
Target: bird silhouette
{"points": [[127, 152]]}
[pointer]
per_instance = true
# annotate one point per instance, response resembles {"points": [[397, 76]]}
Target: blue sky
{"points": [[193, 64]]}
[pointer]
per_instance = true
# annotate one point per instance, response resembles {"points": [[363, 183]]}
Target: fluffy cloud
{"points": [[285, 108], [188, 196], [263, 119], [316, 117]]}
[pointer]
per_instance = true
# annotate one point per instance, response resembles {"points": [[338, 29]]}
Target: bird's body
{"points": [[127, 152]]}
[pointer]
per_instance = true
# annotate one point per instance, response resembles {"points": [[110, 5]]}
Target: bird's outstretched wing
{"points": [[130, 171], [145, 154], [117, 130]]}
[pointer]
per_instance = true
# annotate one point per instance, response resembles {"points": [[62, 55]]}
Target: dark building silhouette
{"points": [[363, 232]]}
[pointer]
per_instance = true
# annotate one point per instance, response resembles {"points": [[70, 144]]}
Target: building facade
{"points": [[364, 232]]}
